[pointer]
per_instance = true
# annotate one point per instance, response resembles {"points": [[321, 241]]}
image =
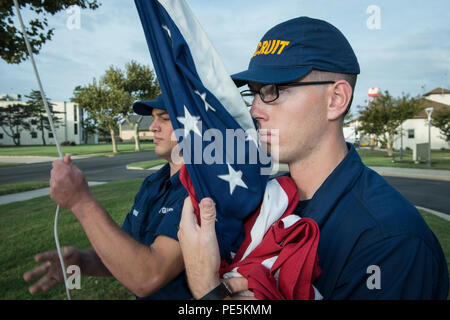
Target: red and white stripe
{"points": [[279, 253]]}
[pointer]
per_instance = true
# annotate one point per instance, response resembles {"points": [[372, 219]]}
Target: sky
{"points": [[402, 46]]}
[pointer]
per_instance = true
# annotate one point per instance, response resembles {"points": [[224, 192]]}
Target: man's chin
{"points": [[160, 152], [271, 149]]}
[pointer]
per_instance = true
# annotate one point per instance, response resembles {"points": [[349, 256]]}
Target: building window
{"points": [[33, 122], [17, 136], [1, 135], [33, 135], [50, 135], [75, 128], [75, 113], [410, 133]]}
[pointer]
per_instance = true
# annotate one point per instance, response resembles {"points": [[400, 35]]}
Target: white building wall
{"points": [[441, 98], [69, 129], [420, 127]]}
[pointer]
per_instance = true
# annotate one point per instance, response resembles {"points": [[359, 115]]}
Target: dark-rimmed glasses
{"points": [[271, 92]]}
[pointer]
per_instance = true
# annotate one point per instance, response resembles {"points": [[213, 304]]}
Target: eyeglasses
{"points": [[271, 92]]}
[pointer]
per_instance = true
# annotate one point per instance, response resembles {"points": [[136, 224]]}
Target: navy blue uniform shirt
{"points": [[373, 244], [157, 211]]}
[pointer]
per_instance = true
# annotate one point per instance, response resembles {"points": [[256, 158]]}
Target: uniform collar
{"points": [[336, 185], [175, 179], [164, 174]]}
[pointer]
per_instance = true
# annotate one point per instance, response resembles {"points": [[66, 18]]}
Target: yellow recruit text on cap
{"points": [[271, 47]]}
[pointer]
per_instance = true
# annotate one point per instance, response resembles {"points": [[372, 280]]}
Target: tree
{"points": [[104, 104], [12, 43], [349, 117], [89, 125], [140, 82], [37, 112], [441, 120], [383, 117], [13, 120]]}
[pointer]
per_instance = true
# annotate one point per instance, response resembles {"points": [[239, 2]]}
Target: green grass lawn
{"points": [[7, 164], [22, 186], [51, 151], [376, 158], [26, 228], [148, 164], [441, 229]]}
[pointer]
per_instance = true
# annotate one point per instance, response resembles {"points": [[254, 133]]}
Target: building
{"points": [[126, 132], [415, 130], [70, 129]]}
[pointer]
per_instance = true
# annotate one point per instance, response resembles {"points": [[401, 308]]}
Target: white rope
{"points": [[50, 120]]}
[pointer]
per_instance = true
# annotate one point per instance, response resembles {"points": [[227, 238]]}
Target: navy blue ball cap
{"points": [[144, 108], [292, 49]]}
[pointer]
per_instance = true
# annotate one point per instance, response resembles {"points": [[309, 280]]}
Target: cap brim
{"points": [[145, 108], [270, 75]]}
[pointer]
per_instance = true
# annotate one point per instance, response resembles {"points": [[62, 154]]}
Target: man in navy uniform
{"points": [[144, 255], [373, 244]]}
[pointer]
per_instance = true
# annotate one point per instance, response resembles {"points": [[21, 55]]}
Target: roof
{"points": [[426, 103], [143, 126], [437, 91]]}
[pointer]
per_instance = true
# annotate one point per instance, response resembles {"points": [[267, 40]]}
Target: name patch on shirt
{"points": [[165, 210]]}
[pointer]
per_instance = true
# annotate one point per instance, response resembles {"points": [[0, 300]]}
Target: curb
{"points": [[128, 167], [27, 195], [436, 213], [134, 168], [414, 176]]}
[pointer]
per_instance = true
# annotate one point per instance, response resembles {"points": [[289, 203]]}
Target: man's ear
{"points": [[341, 96]]}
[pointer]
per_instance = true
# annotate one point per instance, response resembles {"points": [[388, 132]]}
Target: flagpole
{"points": [[58, 147]]}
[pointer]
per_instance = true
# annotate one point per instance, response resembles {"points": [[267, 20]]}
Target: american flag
{"points": [[279, 254], [211, 120]]}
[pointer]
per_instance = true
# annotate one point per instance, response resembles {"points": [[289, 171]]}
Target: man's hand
{"points": [[68, 186], [199, 247], [239, 285], [50, 270]]}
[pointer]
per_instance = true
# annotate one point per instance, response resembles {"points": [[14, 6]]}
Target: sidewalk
{"points": [[27, 195], [429, 174], [35, 159]]}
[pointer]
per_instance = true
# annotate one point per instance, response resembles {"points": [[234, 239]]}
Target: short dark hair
{"points": [[319, 75]]}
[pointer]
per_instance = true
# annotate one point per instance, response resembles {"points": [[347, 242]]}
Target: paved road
{"points": [[432, 194], [96, 169]]}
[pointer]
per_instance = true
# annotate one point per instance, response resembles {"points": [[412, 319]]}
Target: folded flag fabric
{"points": [[213, 127], [279, 253]]}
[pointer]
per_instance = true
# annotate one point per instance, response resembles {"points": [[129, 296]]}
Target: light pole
{"points": [[429, 111], [401, 141]]}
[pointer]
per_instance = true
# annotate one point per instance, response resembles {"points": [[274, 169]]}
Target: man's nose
{"points": [[153, 126], [257, 111]]}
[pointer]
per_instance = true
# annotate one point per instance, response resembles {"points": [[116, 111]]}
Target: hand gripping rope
{"points": [[50, 120]]}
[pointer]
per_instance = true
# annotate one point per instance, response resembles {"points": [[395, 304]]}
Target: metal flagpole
{"points": [[50, 120]]}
